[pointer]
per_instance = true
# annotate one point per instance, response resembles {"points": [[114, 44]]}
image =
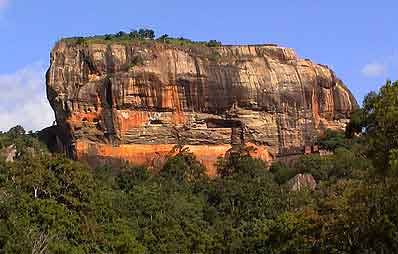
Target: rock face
{"points": [[135, 100], [301, 181]]}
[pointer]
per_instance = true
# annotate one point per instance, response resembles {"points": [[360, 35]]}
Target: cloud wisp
{"points": [[23, 99], [385, 67], [374, 70]]}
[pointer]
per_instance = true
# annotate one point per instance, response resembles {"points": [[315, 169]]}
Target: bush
{"points": [[80, 41], [347, 164], [332, 140], [137, 60], [282, 173], [319, 167]]}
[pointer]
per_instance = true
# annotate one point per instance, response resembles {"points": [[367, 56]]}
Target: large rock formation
{"points": [[135, 100]]}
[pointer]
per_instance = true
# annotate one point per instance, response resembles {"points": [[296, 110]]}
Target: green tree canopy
{"points": [[379, 120]]}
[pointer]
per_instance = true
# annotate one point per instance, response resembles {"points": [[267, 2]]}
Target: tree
{"points": [[331, 140], [163, 38], [356, 124], [380, 122], [131, 176], [319, 167], [213, 43], [134, 34], [108, 37], [184, 167], [393, 160], [120, 34], [239, 161], [16, 131], [146, 33], [31, 173], [282, 173]]}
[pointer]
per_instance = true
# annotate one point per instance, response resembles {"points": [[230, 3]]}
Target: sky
{"points": [[358, 39]]}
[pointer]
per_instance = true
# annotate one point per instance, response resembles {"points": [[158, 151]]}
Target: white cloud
{"points": [[23, 99], [3, 4], [374, 70]]}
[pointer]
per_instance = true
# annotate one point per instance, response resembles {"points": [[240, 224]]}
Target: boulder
{"points": [[9, 153], [300, 182]]}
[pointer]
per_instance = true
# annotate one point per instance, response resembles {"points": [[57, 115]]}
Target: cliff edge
{"points": [[135, 100]]}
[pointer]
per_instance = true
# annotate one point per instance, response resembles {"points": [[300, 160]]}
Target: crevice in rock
{"points": [[222, 123], [108, 93], [107, 112]]}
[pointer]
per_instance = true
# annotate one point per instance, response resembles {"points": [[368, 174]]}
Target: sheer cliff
{"points": [[135, 100]]}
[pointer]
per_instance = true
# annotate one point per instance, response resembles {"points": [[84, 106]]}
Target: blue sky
{"points": [[358, 39]]}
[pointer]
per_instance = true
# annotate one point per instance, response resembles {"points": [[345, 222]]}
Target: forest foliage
{"points": [[51, 204]]}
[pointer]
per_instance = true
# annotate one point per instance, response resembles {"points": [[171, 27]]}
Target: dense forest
{"points": [[51, 204]]}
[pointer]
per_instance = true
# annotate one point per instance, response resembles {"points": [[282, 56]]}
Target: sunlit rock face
{"points": [[134, 101]]}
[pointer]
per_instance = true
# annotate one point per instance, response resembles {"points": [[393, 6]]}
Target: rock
{"points": [[300, 182], [110, 106], [10, 153]]}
